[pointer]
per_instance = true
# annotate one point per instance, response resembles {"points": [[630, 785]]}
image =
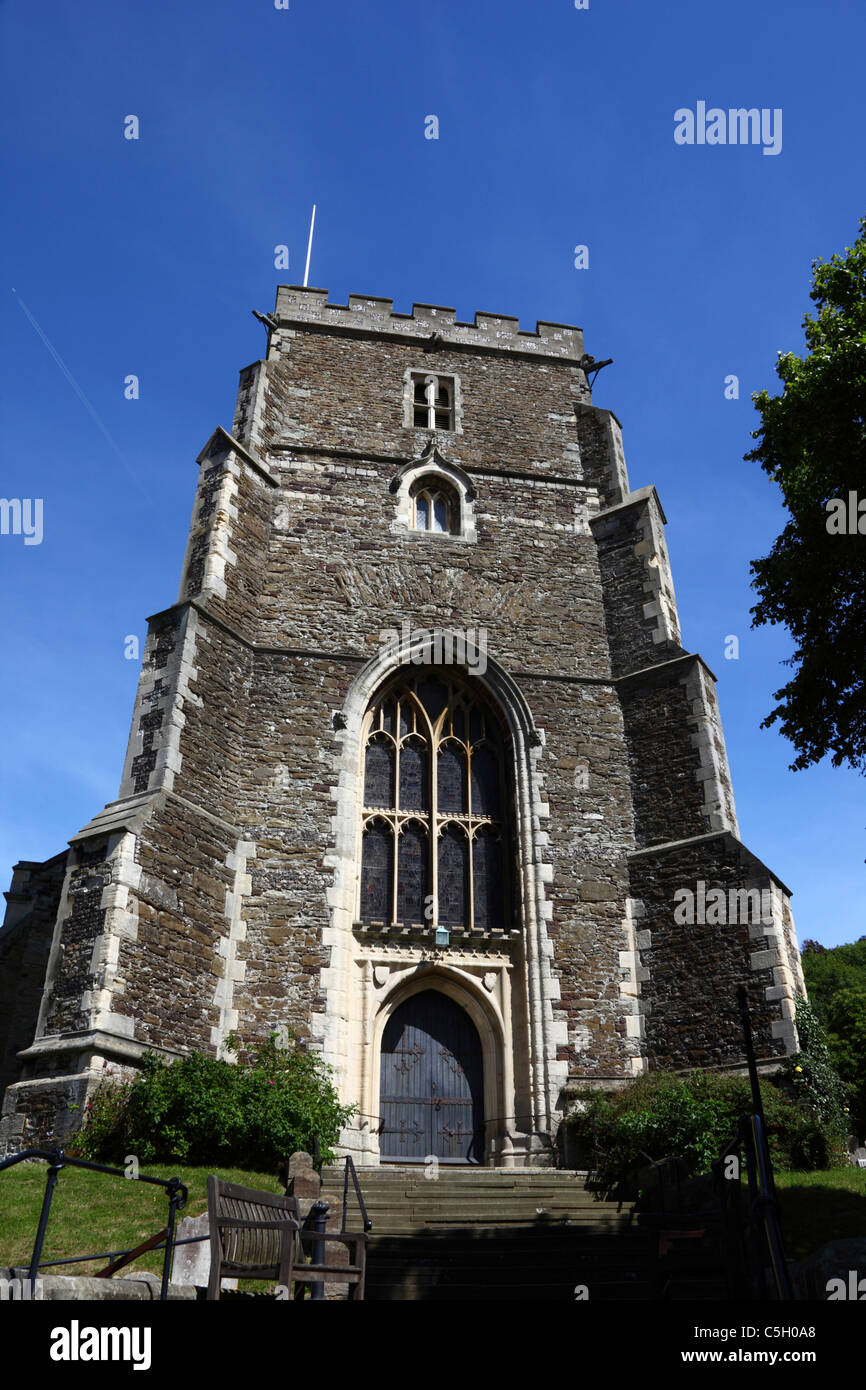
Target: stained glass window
{"points": [[452, 778], [379, 774], [485, 781], [487, 879], [388, 716], [412, 875], [453, 878], [439, 840], [377, 874], [413, 776], [434, 697]]}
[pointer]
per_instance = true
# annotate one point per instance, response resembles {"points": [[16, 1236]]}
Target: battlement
{"points": [[367, 313]]}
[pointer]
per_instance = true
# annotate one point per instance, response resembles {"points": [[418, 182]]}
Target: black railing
{"points": [[115, 1255], [57, 1161], [350, 1168], [754, 1248]]}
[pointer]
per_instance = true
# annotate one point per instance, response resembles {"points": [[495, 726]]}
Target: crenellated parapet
{"points": [[436, 324]]}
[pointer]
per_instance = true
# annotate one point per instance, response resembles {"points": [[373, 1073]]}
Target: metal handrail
{"points": [[115, 1254], [765, 1207], [350, 1168], [57, 1161], [763, 1228], [763, 1189]]}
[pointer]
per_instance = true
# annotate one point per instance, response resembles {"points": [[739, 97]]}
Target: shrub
{"points": [[201, 1110], [811, 1076], [659, 1115]]}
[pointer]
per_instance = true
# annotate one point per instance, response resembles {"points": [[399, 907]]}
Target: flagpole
{"points": [[309, 246]]}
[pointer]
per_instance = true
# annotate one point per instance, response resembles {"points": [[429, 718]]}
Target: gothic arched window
{"points": [[434, 507], [435, 796]]}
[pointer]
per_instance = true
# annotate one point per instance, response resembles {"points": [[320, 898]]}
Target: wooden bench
{"points": [[252, 1234], [258, 1235]]}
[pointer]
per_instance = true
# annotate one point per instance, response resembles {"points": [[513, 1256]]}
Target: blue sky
{"points": [[555, 129]]}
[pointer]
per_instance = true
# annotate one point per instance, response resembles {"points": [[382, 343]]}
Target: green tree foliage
{"points": [[813, 444], [253, 1114], [846, 1030], [836, 981], [827, 970]]}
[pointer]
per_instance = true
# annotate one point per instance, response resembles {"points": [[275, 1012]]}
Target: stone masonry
{"points": [[219, 892]]}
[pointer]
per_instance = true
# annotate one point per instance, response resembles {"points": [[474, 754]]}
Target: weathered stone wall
{"points": [[339, 575], [586, 786], [329, 392], [689, 993], [288, 810], [638, 595], [25, 942], [667, 795], [227, 549], [599, 435], [79, 932], [172, 970]]}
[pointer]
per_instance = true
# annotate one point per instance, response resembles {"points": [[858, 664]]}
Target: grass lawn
{"points": [[92, 1213], [829, 1204]]}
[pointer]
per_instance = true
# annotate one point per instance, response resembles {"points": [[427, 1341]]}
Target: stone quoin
{"points": [[456, 882]]}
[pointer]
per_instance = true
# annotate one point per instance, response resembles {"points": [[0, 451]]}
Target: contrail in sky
{"points": [[79, 393]]}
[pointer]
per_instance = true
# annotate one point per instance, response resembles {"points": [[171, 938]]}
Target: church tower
{"points": [[419, 768]]}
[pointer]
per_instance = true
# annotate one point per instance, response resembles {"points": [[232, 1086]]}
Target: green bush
{"points": [[811, 1076], [252, 1113], [659, 1115]]}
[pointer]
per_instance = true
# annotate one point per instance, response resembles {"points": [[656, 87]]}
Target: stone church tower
{"points": [[419, 768]]}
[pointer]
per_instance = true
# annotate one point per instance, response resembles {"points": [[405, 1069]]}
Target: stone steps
{"points": [[399, 1202], [518, 1264], [511, 1234]]}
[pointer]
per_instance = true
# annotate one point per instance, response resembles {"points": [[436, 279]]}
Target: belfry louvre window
{"points": [[434, 507], [432, 401], [435, 822]]}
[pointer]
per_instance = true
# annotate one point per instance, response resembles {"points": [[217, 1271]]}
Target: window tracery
{"points": [[435, 790], [434, 507]]}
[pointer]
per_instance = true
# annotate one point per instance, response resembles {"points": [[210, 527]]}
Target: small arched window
{"points": [[435, 507]]}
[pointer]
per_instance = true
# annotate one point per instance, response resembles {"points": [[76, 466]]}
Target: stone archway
{"points": [[506, 986]]}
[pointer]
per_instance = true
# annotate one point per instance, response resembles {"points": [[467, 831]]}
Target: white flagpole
{"points": [[309, 246]]}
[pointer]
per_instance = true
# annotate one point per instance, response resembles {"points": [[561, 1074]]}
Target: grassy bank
{"points": [[92, 1213], [828, 1204]]}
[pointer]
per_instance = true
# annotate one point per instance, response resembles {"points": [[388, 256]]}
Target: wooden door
{"points": [[431, 1098]]}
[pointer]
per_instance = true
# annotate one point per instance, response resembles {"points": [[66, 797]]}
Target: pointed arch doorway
{"points": [[431, 1093]]}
